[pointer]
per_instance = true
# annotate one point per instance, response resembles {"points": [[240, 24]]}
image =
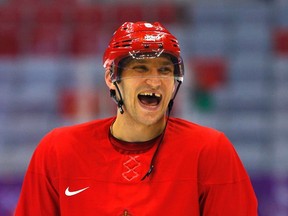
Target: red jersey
{"points": [[77, 171]]}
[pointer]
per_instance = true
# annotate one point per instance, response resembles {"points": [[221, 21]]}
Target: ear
{"points": [[108, 80]]}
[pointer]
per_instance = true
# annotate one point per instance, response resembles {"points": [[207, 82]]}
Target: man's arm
{"points": [[224, 185]]}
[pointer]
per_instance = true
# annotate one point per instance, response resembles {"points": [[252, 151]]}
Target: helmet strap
{"points": [[170, 105], [119, 102]]}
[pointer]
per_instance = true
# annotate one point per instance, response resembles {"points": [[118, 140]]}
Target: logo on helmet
{"points": [[148, 25], [152, 37]]}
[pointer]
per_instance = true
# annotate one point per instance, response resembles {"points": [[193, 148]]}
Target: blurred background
{"points": [[236, 60]]}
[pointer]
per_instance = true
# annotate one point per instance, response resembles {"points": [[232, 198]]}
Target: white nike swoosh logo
{"points": [[72, 193]]}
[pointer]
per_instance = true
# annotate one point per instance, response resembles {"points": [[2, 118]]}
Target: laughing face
{"points": [[147, 85]]}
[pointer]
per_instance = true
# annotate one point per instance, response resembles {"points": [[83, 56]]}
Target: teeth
{"points": [[151, 94]]}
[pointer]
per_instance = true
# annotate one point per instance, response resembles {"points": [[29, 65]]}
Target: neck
{"points": [[136, 132]]}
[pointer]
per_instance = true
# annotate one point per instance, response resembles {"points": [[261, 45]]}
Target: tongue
{"points": [[148, 100]]}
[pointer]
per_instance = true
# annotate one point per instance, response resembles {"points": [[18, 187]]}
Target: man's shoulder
{"points": [[82, 131], [185, 126], [94, 125], [192, 134]]}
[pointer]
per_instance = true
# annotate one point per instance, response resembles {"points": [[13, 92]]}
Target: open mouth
{"points": [[150, 99]]}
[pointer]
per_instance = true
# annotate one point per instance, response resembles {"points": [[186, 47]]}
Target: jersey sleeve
{"points": [[224, 185], [39, 194]]}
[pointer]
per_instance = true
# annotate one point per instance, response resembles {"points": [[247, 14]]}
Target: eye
{"points": [[166, 69], [140, 68]]}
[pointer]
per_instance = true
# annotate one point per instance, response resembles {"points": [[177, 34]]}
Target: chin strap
{"points": [[119, 102], [171, 102], [152, 163]]}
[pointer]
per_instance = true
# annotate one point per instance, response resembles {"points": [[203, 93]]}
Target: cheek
{"points": [[127, 89], [172, 86]]}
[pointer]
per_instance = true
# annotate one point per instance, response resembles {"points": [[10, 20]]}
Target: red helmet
{"points": [[141, 39]]}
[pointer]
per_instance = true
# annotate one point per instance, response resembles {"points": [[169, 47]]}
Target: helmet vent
{"points": [[175, 43], [125, 43], [146, 46]]}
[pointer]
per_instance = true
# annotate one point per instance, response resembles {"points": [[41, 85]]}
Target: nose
{"points": [[154, 78]]}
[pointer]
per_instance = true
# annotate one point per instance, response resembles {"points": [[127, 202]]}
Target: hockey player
{"points": [[141, 162]]}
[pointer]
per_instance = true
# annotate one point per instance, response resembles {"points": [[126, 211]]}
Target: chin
{"points": [[151, 119]]}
